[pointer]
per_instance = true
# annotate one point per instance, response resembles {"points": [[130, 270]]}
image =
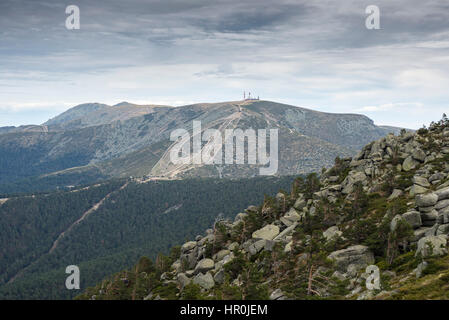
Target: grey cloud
{"points": [[295, 42], [305, 24]]}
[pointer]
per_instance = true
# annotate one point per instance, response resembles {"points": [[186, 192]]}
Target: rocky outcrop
{"points": [[442, 193], [426, 200], [432, 246], [332, 233], [277, 295], [397, 186], [409, 164], [183, 280], [268, 232], [413, 218], [291, 217], [358, 256], [205, 281], [427, 213], [204, 265]]}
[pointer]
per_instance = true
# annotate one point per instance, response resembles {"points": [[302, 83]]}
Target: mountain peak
{"points": [[123, 103]]}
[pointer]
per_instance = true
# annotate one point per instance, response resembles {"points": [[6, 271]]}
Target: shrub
{"points": [[191, 291], [145, 265]]}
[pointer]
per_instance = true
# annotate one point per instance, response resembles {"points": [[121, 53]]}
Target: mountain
{"points": [[374, 226], [28, 128], [95, 142], [94, 114]]}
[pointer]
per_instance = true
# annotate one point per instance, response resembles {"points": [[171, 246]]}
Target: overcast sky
{"points": [[311, 53]]}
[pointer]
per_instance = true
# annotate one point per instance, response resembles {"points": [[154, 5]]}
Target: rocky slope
{"points": [[94, 114], [388, 206], [100, 141]]}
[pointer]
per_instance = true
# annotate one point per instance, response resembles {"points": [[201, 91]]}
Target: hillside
{"points": [[104, 228], [387, 208], [94, 114], [95, 142]]}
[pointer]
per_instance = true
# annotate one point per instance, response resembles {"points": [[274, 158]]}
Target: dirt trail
{"points": [[230, 122], [84, 216], [62, 234]]}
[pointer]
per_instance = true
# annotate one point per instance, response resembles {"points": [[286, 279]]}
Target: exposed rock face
{"points": [[442, 193], [394, 223], [188, 246], [176, 265], [291, 217], [27, 128], [277, 295], [205, 281], [348, 200], [256, 247], [432, 246], [426, 200], [436, 177], [288, 247], [286, 232], [204, 265], [221, 254], [443, 230], [332, 233], [219, 277], [358, 255], [300, 203], [251, 209], [409, 163], [419, 155], [421, 181], [420, 269], [442, 204], [183, 280], [429, 218], [420, 233], [417, 189], [396, 193], [269, 232], [443, 216], [351, 179], [413, 218]]}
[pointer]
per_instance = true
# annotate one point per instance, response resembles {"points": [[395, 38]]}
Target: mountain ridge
{"points": [[92, 139]]}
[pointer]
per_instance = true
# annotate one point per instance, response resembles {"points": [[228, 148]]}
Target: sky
{"points": [[316, 54]]}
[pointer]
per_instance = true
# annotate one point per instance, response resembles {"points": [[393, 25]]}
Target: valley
{"points": [[107, 226]]}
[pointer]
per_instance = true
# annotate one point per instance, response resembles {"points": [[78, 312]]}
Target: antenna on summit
{"points": [[248, 96]]}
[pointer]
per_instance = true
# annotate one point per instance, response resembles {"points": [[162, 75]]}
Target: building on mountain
{"points": [[245, 97]]}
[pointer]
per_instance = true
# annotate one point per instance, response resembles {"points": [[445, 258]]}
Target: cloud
{"points": [[400, 106], [15, 107], [431, 80], [302, 52]]}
